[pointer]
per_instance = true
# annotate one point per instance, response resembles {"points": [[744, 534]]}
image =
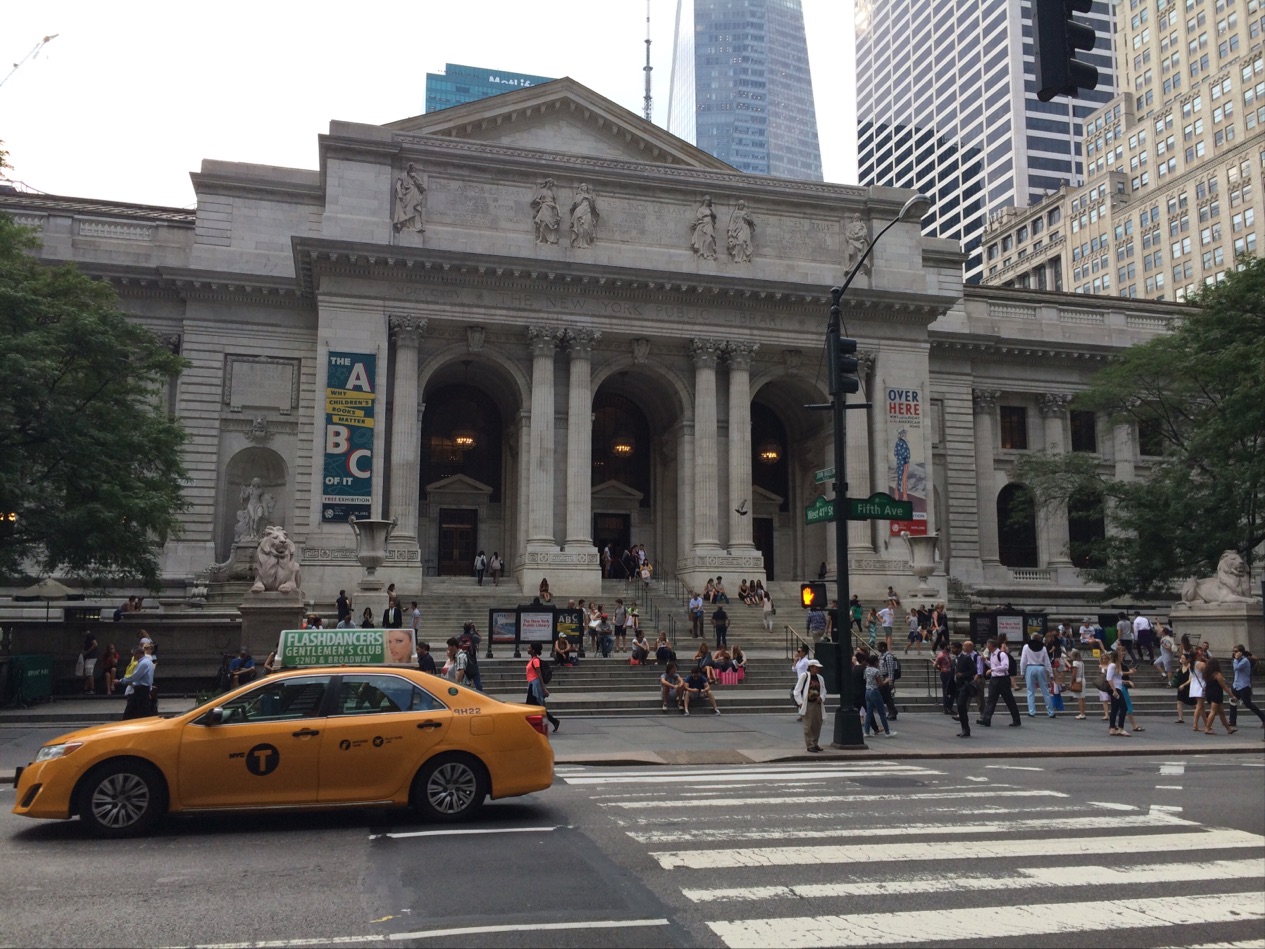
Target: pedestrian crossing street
{"points": [[894, 853]]}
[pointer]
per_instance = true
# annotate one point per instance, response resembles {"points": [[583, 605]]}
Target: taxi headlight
{"points": [[49, 752]]}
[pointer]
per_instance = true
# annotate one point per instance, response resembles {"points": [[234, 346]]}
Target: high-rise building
{"points": [[947, 104], [741, 88], [1173, 165], [460, 84]]}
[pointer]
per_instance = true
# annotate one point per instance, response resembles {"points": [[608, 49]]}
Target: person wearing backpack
{"points": [[469, 647], [480, 566], [1001, 667], [889, 665], [539, 675]]}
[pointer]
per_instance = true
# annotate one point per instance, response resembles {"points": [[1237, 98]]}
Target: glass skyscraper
{"points": [[460, 84], [741, 89], [947, 104]]}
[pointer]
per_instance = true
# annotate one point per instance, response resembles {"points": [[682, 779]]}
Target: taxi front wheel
{"points": [[121, 798], [450, 787]]}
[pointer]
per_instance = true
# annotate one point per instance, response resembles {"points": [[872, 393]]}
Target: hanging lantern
{"points": [[463, 438], [770, 453], [623, 445]]}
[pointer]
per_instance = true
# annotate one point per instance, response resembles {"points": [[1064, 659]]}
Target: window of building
{"points": [[1014, 427], [1016, 526], [1150, 439], [1086, 529], [1084, 433]]}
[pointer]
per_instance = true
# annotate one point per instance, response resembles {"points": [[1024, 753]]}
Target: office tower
{"points": [[1172, 191], [741, 88], [460, 84], [946, 103]]}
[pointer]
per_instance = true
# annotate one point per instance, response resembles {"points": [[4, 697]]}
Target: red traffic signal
{"points": [[812, 594]]}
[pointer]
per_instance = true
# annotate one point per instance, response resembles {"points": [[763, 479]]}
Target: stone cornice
{"points": [[1022, 351], [316, 256], [182, 284]]}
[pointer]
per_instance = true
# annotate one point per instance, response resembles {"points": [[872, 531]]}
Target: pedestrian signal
{"points": [[812, 594]]}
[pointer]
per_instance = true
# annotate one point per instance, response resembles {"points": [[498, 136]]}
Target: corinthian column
{"points": [[1053, 409], [405, 434], [706, 470], [739, 356], [580, 439], [985, 401], [543, 343]]}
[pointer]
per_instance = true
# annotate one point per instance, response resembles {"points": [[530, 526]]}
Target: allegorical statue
{"points": [[408, 200], [545, 214], [741, 234], [584, 218], [703, 230], [257, 505], [856, 238]]}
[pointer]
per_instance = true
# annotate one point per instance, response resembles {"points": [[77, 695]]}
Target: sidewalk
{"points": [[670, 738]]}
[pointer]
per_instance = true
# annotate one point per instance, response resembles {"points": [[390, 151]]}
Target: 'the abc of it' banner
{"points": [[349, 404]]}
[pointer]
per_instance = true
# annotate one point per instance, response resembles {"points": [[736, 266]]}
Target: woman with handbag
{"points": [[1113, 679], [1077, 683], [537, 691]]}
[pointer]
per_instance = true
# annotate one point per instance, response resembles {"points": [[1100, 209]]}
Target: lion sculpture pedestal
{"points": [[1221, 610], [275, 601]]}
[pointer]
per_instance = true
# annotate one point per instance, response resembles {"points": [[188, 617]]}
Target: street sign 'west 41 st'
{"points": [[877, 507]]}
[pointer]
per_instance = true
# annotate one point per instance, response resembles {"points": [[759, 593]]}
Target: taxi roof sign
{"points": [[346, 647]]}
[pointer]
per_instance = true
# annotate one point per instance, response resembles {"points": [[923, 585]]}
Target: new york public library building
{"points": [[537, 324]]}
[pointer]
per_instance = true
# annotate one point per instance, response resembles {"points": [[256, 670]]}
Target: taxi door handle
{"points": [[430, 724], [305, 733]]}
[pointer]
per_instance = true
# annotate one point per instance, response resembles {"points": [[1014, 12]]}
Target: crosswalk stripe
{"points": [[754, 777], [723, 834], [887, 929], [962, 850], [830, 798], [1026, 878]]}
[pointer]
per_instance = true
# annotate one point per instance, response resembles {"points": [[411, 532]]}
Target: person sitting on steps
{"points": [[663, 651], [640, 648]]}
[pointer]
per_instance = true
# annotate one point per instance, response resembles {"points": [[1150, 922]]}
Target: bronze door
{"points": [[762, 529], [457, 530]]}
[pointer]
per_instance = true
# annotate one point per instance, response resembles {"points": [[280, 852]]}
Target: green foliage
{"points": [[1201, 391], [90, 461]]}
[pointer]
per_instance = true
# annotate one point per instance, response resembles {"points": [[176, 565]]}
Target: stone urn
{"points": [[371, 547], [922, 560]]}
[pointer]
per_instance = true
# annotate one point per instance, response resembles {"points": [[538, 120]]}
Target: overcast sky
{"points": [[131, 96]]}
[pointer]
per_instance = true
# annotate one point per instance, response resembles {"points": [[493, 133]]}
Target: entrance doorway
{"points": [[762, 535], [615, 530], [458, 529]]}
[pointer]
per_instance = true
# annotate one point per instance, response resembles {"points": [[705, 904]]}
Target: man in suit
{"points": [[966, 674], [392, 618]]}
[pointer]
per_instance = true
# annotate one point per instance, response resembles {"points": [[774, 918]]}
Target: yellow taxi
{"points": [[310, 738]]}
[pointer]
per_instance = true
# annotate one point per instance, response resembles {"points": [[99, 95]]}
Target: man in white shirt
{"points": [[417, 620], [1142, 636], [886, 616], [1125, 635], [696, 614]]}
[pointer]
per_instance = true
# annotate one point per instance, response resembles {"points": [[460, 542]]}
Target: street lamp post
{"points": [[847, 721]]}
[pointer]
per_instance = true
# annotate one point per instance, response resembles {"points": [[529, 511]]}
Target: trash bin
{"points": [[30, 680]]}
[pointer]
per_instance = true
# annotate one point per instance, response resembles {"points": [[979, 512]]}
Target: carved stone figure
{"points": [[741, 234], [584, 218], [640, 350], [856, 236], [275, 565], [258, 433], [408, 200], [254, 502], [703, 230], [545, 214], [1230, 585], [474, 338]]}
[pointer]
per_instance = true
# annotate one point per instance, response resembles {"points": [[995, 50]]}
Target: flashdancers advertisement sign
{"points": [[906, 462], [349, 405]]}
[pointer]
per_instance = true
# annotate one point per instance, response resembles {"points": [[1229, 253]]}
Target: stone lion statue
{"points": [[1230, 585], [275, 566]]}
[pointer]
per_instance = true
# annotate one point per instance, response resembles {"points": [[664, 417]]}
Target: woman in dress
{"points": [[1181, 686], [109, 665], [767, 614], [871, 626], [1215, 688], [536, 691], [544, 594], [1198, 686], [1076, 682], [709, 591]]}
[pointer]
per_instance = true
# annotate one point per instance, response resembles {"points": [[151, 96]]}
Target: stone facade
{"points": [[536, 397]]}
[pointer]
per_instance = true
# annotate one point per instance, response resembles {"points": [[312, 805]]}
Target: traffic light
{"points": [[1056, 37], [812, 594], [843, 366]]}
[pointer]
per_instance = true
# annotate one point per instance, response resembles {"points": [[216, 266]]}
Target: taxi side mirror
{"points": [[215, 716]]}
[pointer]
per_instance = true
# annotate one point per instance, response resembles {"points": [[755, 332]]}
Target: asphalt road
{"points": [[1043, 852]]}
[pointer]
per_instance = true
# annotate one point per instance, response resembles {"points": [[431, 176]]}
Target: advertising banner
{"points": [[349, 419], [570, 623], [346, 647], [503, 626], [906, 462], [535, 627]]}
